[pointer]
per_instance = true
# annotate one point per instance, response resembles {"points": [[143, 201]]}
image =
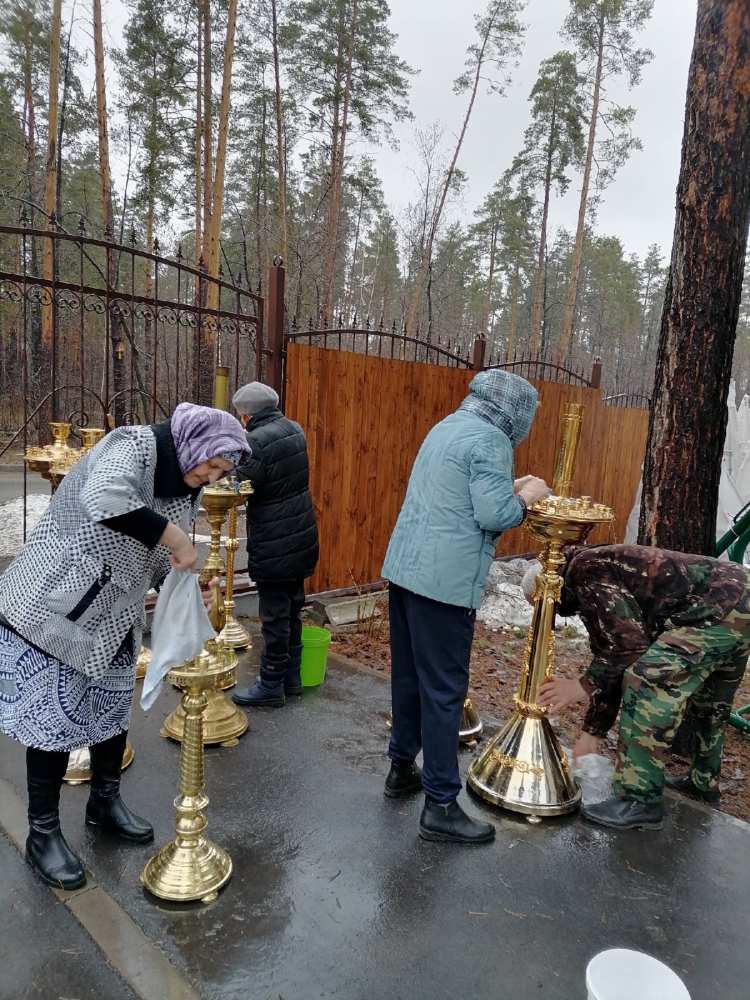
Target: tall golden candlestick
{"points": [[233, 634], [523, 768], [191, 866], [223, 722]]}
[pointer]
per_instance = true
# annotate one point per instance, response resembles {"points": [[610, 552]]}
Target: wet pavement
{"points": [[334, 895]]}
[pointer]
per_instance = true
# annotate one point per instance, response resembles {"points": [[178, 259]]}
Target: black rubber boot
{"points": [[47, 850], [292, 679], [403, 779], [268, 690], [625, 814], [684, 785], [105, 809], [450, 824]]}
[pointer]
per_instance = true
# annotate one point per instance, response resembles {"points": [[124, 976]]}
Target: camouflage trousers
{"points": [[694, 670]]}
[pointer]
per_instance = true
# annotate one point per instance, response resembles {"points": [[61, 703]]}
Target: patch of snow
{"points": [[11, 519], [504, 604]]}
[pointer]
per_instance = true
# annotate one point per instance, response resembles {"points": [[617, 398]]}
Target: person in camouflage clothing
{"points": [[669, 632]]}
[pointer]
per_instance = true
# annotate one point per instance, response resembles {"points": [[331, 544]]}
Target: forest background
{"points": [[504, 169]]}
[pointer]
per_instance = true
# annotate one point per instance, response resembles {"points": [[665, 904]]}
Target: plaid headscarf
{"points": [[505, 400], [201, 433]]}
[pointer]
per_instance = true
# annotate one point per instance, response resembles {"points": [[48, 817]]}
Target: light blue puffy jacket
{"points": [[460, 495]]}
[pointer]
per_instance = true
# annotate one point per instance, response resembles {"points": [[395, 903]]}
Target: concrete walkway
{"points": [[335, 896]]}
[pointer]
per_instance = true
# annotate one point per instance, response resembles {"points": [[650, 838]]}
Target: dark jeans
{"points": [[430, 650], [279, 605]]}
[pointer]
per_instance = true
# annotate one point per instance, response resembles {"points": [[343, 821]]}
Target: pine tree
{"points": [[553, 142], [603, 32]]}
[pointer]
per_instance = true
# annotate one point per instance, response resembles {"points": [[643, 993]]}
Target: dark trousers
{"points": [[430, 650], [280, 603]]}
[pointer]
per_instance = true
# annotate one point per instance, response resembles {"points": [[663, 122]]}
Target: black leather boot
{"points": [[403, 779], [292, 679], [268, 690], [47, 850], [625, 814], [105, 808], [684, 785], [450, 824]]}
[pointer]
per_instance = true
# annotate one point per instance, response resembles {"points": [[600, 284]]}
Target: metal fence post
{"points": [[596, 374], [480, 346]]}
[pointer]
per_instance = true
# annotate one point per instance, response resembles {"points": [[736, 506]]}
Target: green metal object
{"points": [[735, 542]]}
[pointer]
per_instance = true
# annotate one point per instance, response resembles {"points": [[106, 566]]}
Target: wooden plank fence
{"points": [[366, 417]]}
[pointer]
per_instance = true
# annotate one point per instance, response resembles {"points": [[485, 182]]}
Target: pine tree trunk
{"points": [[198, 235], [212, 237], [566, 334], [208, 114], [50, 174], [105, 187], [513, 326], [538, 287], [329, 251], [280, 155], [35, 354], [485, 327], [688, 417]]}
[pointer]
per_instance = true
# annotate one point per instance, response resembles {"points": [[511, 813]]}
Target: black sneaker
{"points": [[625, 814], [450, 824], [403, 779], [684, 785]]}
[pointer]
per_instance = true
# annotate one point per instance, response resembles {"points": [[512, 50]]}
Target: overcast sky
{"points": [[639, 206], [432, 37]]}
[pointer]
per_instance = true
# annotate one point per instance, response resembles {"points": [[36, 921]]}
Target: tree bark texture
{"points": [[105, 187], [280, 154], [538, 286], [50, 173], [688, 417]]}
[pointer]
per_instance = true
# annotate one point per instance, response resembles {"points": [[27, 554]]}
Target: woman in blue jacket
{"points": [[461, 497]]}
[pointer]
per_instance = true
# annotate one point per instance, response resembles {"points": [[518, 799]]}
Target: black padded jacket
{"points": [[282, 534]]}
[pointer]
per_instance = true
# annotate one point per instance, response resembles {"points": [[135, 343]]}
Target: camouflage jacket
{"points": [[627, 596]]}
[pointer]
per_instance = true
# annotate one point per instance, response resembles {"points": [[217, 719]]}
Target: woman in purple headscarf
{"points": [[72, 612]]}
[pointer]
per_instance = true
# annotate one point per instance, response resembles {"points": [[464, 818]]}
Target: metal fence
{"points": [[107, 332]]}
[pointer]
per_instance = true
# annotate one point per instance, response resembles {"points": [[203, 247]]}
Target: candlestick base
{"points": [[525, 770]]}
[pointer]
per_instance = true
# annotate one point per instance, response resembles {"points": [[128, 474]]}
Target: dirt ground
{"points": [[495, 662]]}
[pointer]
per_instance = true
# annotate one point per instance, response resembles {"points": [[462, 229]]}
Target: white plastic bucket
{"points": [[621, 974]]}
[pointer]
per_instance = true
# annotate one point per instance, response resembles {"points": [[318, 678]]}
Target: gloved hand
{"points": [[533, 489]]}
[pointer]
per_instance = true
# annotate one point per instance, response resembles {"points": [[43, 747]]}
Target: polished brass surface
{"points": [[221, 387], [233, 634], [79, 764], [141, 664], [54, 461], [570, 432], [191, 866], [523, 769], [471, 726], [217, 501], [91, 436], [223, 722]]}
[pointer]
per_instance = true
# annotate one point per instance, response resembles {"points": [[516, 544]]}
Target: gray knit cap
{"points": [[254, 397]]}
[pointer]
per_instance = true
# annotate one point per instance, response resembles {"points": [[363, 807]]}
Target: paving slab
{"points": [[335, 896]]}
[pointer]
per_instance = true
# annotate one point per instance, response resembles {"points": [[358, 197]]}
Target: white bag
{"points": [[594, 774], [179, 630]]}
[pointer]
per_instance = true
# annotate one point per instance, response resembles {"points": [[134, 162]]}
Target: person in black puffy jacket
{"points": [[282, 539]]}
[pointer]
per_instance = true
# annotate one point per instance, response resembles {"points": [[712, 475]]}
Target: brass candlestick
{"points": [[142, 663], [91, 436], [523, 768], [471, 727], [79, 764], [191, 866], [224, 722], [233, 634]]}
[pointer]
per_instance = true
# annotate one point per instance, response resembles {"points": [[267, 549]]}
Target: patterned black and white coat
{"points": [[78, 587]]}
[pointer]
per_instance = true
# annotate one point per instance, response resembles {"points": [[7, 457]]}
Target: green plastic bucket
{"points": [[315, 642]]}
